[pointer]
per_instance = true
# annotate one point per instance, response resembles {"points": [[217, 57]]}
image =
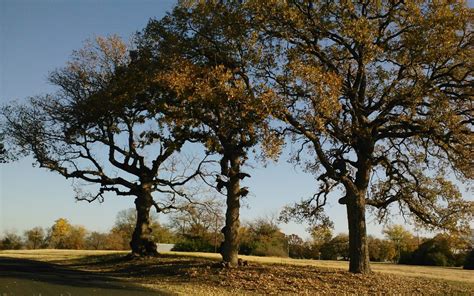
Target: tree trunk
{"points": [[358, 246], [230, 246], [142, 243]]}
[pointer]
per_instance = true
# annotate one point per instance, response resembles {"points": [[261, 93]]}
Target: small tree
{"points": [[11, 241], [402, 239], [122, 232], [198, 225], [336, 248], [35, 238], [59, 233], [263, 237], [96, 241], [76, 238], [381, 250]]}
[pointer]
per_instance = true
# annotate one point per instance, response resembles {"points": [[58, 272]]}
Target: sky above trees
{"points": [[38, 37]]}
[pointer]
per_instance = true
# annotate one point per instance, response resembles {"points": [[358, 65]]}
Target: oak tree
{"points": [[209, 52], [380, 93], [104, 127]]}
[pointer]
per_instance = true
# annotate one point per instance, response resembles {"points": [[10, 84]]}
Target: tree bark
{"points": [[230, 246], [142, 243], [358, 246]]}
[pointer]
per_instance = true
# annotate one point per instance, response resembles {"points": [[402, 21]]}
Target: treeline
{"points": [[398, 246], [197, 230], [64, 235]]}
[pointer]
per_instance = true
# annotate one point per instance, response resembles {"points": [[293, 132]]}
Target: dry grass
{"points": [[54, 255], [196, 274], [455, 274]]}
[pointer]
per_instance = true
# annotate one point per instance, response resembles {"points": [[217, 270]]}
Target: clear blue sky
{"points": [[39, 36]]}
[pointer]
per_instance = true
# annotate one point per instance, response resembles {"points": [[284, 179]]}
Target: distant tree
{"points": [[296, 246], [381, 250], [321, 234], [104, 127], [96, 241], [263, 237], [76, 237], [436, 251], [117, 240], [35, 238], [337, 247], [199, 223], [379, 93], [58, 234], [403, 240], [11, 241]]}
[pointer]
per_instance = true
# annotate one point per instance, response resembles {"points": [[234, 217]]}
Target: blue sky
{"points": [[39, 36]]}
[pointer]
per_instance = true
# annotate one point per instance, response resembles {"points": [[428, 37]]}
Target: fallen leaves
{"points": [[203, 276]]}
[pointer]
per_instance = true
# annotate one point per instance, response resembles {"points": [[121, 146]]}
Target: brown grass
{"points": [[455, 274], [197, 274]]}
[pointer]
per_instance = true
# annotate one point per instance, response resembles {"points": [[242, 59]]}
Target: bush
{"points": [[433, 252], [436, 259], [469, 261], [263, 238], [11, 241], [337, 247], [194, 245]]}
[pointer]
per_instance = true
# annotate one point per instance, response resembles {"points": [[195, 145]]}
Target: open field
{"points": [[196, 274], [432, 272]]}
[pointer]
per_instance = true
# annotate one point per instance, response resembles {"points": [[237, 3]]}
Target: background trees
{"points": [[11, 241], [198, 227], [35, 238], [403, 241], [263, 237], [63, 235], [380, 95]]}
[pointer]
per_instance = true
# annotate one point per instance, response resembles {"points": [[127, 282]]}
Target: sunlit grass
{"points": [[48, 255]]}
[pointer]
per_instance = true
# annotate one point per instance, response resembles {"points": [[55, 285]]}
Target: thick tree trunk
{"points": [[358, 246], [142, 243], [230, 246]]}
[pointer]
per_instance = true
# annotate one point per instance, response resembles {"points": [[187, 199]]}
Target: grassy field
{"points": [[433, 272], [198, 274]]}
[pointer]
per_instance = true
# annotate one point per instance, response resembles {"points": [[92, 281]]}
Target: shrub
{"points": [[469, 261], [193, 245]]}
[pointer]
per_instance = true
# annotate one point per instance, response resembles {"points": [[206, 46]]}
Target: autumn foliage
{"points": [[377, 96]]}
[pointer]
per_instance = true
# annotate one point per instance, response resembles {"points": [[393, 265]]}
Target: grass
{"points": [[197, 274], [455, 274]]}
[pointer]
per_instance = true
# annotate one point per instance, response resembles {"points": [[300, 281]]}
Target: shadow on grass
{"points": [[31, 271]]}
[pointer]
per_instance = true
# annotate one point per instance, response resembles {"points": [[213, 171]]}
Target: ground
{"points": [[200, 274]]}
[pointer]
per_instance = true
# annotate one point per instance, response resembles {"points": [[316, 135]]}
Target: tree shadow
{"points": [[37, 271]]}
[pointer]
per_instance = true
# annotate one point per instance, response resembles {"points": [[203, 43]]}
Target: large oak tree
{"points": [[381, 95], [104, 127], [210, 54]]}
